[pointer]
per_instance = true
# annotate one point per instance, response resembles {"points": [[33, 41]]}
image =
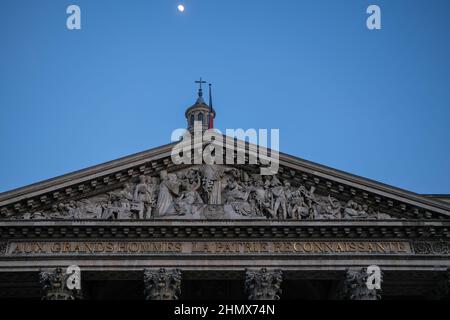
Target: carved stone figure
{"points": [[169, 189], [119, 203], [326, 209], [353, 210], [299, 209], [70, 210], [214, 181], [54, 286], [144, 197], [259, 198], [210, 192], [278, 193], [162, 284], [235, 191], [263, 284], [37, 215], [89, 209], [237, 194], [309, 196], [190, 200]]}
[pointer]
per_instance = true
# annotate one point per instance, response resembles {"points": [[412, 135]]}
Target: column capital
{"points": [[263, 284], [162, 284], [54, 286], [355, 287]]}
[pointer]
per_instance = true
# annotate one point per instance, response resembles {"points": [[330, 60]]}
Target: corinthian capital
{"points": [[263, 284], [54, 286], [357, 285], [162, 284]]}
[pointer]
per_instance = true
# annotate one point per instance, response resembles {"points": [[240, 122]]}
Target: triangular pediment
{"points": [[148, 185]]}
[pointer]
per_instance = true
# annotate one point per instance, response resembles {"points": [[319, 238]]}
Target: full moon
{"points": [[180, 8]]}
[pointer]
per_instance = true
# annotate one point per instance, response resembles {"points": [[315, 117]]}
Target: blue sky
{"points": [[372, 103]]}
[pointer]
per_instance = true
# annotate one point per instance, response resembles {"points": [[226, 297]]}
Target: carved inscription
{"points": [[206, 247]]}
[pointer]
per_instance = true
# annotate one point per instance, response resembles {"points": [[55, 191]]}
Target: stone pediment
{"points": [[148, 185]]}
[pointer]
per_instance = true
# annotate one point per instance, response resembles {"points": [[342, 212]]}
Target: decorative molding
{"points": [[432, 247], [228, 229], [162, 284], [263, 284]]}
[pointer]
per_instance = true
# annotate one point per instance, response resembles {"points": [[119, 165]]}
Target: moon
{"points": [[180, 8]]}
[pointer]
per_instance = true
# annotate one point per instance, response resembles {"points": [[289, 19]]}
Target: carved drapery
{"points": [[54, 286], [162, 284], [263, 284], [210, 192], [354, 286]]}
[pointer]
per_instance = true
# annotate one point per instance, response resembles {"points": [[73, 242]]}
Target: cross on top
{"points": [[200, 82]]}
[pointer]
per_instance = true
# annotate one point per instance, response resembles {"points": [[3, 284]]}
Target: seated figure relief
{"points": [[190, 200], [210, 192]]}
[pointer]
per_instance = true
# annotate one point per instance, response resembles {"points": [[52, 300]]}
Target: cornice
{"points": [[254, 229]]}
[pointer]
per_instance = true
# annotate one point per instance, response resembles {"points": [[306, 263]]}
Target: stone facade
{"points": [[210, 192], [162, 224]]}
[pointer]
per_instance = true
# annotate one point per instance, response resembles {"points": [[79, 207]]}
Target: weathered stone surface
{"points": [[263, 284], [54, 286], [145, 211], [431, 247], [210, 192], [162, 284]]}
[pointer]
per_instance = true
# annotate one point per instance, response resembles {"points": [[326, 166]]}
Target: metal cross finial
{"points": [[200, 82]]}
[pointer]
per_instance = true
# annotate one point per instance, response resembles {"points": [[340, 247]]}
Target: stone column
{"points": [[263, 284], [162, 284], [54, 286], [354, 286]]}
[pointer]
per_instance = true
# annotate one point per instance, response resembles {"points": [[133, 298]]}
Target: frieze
{"points": [[220, 247], [431, 247], [210, 192]]}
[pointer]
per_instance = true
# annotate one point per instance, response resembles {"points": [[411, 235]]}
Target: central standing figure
{"points": [[212, 182], [168, 191]]}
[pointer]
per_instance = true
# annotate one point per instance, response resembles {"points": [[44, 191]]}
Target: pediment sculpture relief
{"points": [[210, 192]]}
